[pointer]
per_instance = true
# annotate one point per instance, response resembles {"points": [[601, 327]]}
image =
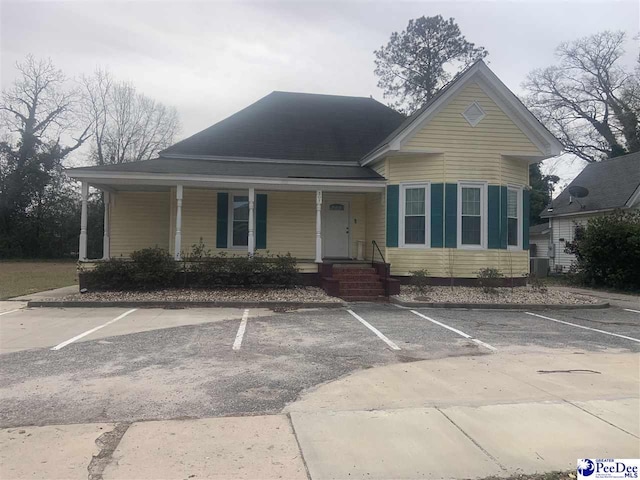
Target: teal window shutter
{"points": [[504, 222], [393, 197], [261, 221], [525, 219], [451, 215], [222, 220], [437, 207], [493, 222]]}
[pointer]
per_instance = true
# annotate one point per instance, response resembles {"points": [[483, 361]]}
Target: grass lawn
{"points": [[20, 277]]}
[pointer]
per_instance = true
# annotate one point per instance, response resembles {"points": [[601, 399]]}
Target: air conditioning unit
{"points": [[539, 267]]}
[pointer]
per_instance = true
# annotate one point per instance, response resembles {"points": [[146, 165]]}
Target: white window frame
{"points": [[484, 214], [518, 189], [230, 244], [427, 214]]}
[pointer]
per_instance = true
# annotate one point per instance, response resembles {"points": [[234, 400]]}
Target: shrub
{"points": [[607, 251], [489, 279], [207, 270], [420, 278], [114, 274], [152, 268]]}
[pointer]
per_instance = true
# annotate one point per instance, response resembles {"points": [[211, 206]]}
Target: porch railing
{"points": [[374, 247]]}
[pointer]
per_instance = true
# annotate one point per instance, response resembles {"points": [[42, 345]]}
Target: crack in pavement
{"points": [[107, 442]]}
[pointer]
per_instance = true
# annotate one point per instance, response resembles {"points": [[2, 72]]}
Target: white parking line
{"points": [[243, 326], [629, 310], [586, 328], [459, 332], [378, 333], [10, 311], [89, 332]]}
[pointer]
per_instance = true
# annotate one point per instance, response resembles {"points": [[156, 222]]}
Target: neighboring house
{"points": [[599, 189], [323, 177], [539, 239]]}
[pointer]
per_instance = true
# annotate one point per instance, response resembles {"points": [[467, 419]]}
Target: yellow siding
{"points": [[463, 263], [139, 220], [375, 223], [198, 218], [472, 153], [416, 168], [291, 223]]}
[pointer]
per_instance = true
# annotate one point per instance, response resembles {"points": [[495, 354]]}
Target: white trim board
{"points": [[224, 182]]}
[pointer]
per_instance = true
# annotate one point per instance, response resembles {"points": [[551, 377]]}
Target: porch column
{"points": [[178, 241], [319, 226], [82, 251], [106, 254], [252, 238]]}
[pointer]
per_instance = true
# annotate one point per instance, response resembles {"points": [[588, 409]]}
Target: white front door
{"points": [[335, 229]]}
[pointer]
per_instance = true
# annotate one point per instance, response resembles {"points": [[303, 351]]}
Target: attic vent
{"points": [[473, 114]]}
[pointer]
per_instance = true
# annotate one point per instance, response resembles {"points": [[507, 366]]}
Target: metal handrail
{"points": [[373, 252]]}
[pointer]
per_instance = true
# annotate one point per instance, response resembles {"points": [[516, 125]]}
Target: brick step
{"points": [[354, 270], [349, 275], [355, 283], [362, 292]]}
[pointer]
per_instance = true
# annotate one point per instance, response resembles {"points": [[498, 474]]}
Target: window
{"points": [[240, 221], [513, 217], [471, 215], [413, 215]]}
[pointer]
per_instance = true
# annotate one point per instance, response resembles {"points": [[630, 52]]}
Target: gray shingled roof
{"points": [[539, 229], [240, 169], [296, 126], [611, 183]]}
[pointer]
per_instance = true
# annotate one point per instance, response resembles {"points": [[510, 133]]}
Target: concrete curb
{"points": [[500, 306], [178, 304]]}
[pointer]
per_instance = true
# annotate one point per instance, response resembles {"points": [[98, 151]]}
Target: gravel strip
{"points": [[512, 296], [303, 294]]}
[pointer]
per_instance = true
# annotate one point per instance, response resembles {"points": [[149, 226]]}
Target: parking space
{"points": [[159, 364], [518, 329], [24, 329]]}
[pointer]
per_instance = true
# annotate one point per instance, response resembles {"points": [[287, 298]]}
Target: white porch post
{"points": [[178, 241], [106, 254], [319, 226], [251, 240], [83, 222]]}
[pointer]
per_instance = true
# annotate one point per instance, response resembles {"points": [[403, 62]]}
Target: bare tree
{"points": [[38, 113], [127, 126], [589, 101]]}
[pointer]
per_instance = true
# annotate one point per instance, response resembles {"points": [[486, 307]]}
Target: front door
{"points": [[335, 229]]}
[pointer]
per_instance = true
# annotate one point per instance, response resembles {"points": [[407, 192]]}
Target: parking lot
{"points": [[64, 366]]}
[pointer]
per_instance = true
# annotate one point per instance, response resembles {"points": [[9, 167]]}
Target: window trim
{"points": [[427, 215], [519, 191], [484, 214], [230, 245]]}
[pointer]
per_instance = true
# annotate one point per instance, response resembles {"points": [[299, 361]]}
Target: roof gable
{"points": [[295, 127], [481, 75]]}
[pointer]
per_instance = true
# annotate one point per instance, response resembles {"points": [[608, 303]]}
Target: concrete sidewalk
{"points": [[621, 300], [463, 417]]}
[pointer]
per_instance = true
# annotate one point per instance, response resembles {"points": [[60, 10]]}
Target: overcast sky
{"points": [[210, 59]]}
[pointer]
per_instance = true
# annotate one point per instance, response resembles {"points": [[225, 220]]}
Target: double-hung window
{"points": [[239, 207], [414, 221], [471, 215], [513, 216]]}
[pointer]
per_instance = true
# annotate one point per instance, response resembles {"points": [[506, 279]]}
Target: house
{"points": [[332, 178], [539, 241], [599, 189]]}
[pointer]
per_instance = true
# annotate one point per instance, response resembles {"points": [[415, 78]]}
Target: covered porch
{"points": [[314, 220]]}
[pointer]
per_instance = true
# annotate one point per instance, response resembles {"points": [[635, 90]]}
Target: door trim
{"points": [[327, 200]]}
